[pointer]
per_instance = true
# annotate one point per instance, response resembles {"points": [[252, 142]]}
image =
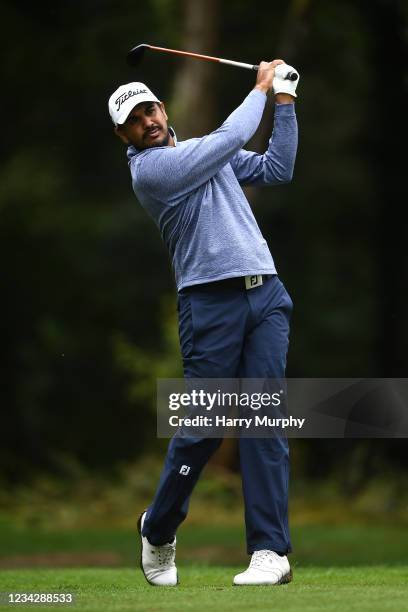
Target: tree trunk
{"points": [[193, 101], [288, 45]]}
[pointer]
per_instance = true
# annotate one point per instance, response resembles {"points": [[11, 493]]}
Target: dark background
{"points": [[88, 299]]}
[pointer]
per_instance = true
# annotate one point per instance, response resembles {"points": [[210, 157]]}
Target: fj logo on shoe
{"points": [[253, 281], [184, 470]]}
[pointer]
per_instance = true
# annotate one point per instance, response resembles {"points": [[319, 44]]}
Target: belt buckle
{"points": [[253, 280]]}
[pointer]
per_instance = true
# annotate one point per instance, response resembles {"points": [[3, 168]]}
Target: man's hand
{"points": [[283, 88], [268, 77], [266, 74]]}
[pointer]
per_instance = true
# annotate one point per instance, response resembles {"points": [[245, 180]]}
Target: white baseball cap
{"points": [[127, 97]]}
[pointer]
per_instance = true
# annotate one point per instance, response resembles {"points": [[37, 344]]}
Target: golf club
{"points": [[136, 54]]}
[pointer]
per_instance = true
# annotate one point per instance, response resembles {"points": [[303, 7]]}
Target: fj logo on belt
{"points": [[184, 470], [253, 281]]}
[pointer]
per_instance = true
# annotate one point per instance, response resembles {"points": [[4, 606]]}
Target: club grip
{"points": [[291, 76]]}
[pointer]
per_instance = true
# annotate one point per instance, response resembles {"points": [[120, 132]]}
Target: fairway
{"points": [[335, 568], [209, 588]]}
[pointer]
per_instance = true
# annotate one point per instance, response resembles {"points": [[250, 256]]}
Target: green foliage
{"points": [[85, 274], [85, 500], [145, 366]]}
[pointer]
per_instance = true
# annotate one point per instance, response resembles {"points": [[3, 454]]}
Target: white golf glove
{"points": [[282, 85]]}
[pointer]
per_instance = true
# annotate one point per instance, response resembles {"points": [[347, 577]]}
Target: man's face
{"points": [[145, 127]]}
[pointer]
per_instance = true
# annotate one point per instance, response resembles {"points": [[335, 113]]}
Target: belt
{"points": [[239, 282]]}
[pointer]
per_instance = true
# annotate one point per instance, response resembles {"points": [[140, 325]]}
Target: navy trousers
{"points": [[228, 333]]}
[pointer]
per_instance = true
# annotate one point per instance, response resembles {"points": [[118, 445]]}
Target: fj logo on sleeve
{"points": [[184, 470], [253, 281]]}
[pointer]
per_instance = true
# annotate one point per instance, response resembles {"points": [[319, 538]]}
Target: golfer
{"points": [[233, 309]]}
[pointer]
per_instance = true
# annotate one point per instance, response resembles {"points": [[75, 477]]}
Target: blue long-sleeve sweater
{"points": [[193, 193]]}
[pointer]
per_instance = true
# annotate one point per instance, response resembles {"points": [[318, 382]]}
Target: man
{"points": [[233, 309]]}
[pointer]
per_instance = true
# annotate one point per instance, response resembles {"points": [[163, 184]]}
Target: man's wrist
{"points": [[262, 88], [284, 98]]}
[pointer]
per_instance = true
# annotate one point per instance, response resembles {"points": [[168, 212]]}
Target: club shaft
{"points": [[210, 58], [186, 53], [238, 64]]}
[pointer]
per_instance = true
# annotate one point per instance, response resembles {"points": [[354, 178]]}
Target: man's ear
{"points": [[163, 110], [121, 135]]}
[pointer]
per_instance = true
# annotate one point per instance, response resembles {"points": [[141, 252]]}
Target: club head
{"points": [[135, 55]]}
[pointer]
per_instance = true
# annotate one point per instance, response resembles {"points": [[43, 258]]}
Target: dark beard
{"points": [[163, 143]]}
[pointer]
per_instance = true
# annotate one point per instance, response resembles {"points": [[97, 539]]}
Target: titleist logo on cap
{"points": [[125, 96]]}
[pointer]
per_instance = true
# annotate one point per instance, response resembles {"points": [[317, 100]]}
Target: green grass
{"points": [[371, 589], [317, 545], [336, 568]]}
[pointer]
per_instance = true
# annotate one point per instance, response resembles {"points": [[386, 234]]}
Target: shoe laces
{"points": [[260, 556], [165, 553]]}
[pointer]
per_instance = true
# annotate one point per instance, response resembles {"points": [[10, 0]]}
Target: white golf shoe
{"points": [[266, 567], [157, 562]]}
